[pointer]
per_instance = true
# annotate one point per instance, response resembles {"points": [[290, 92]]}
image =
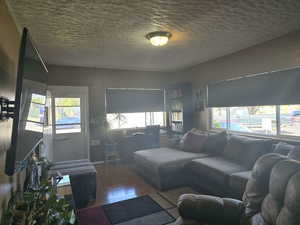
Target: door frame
{"points": [[64, 91]]}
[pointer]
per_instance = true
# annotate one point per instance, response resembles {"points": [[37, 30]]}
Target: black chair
{"points": [[152, 137], [148, 139]]}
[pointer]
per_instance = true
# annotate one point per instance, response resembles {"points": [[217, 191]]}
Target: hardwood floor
{"points": [[119, 182], [116, 182]]}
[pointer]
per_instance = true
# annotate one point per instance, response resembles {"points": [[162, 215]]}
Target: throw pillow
{"points": [[295, 153], [283, 148], [193, 142], [215, 143]]}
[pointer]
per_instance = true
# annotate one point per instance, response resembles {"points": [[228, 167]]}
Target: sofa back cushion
{"points": [[295, 153], [283, 148], [215, 143], [193, 141], [246, 151]]}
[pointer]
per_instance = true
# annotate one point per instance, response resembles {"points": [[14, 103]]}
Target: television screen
{"points": [[30, 100]]}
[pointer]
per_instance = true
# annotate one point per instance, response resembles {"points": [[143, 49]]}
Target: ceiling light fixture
{"points": [[159, 38]]}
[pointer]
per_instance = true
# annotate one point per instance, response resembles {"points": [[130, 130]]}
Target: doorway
{"points": [[70, 123]]}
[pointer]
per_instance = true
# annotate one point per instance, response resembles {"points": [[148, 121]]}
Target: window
{"points": [[219, 118], [135, 120], [67, 115], [253, 119], [266, 120], [35, 119], [290, 120]]}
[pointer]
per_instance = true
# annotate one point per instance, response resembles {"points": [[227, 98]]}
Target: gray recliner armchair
{"points": [[272, 197]]}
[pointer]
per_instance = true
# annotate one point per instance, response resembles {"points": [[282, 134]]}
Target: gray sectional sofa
{"points": [[164, 167], [222, 165]]}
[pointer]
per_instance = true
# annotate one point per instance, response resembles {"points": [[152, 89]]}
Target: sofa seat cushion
{"points": [[216, 169], [238, 182], [163, 167]]}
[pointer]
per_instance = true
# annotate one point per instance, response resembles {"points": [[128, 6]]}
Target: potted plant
{"points": [[37, 207]]}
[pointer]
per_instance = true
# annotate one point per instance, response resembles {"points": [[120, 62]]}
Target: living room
{"points": [[231, 66]]}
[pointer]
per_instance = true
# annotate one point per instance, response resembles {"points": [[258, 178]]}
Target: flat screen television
{"points": [[30, 100]]}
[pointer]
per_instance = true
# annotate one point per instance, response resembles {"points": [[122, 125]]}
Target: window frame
{"points": [[137, 128], [278, 135]]}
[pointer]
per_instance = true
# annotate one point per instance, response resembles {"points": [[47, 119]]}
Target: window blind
{"points": [[134, 100], [274, 88]]}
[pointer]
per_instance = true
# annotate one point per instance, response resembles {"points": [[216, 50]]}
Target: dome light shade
{"points": [[159, 38]]}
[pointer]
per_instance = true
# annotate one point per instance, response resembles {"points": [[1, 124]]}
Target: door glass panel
{"points": [[67, 101], [67, 115]]}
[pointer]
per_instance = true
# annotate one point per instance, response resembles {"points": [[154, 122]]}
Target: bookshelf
{"points": [[179, 108]]}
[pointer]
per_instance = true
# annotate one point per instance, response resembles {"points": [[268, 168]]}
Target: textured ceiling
{"points": [[111, 33]]}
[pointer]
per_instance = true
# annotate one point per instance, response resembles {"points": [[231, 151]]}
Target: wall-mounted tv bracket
{"points": [[7, 108]]}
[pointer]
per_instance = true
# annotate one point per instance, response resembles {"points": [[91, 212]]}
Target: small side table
{"points": [[82, 174]]}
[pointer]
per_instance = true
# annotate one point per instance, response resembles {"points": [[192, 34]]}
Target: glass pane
{"points": [[177, 116], [148, 119], [37, 127], [67, 115], [290, 120], [67, 101], [132, 120], [253, 119], [36, 113], [158, 118], [218, 118], [40, 99], [64, 129], [113, 120]]}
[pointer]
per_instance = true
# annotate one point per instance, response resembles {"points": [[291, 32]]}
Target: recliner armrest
{"points": [[210, 209]]}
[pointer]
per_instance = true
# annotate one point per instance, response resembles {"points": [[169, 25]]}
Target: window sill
{"points": [[275, 137]]}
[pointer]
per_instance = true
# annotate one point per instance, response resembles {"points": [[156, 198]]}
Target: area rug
{"points": [[173, 195], [92, 216], [137, 211]]}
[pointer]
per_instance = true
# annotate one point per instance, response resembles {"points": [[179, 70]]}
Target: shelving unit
{"points": [[179, 108]]}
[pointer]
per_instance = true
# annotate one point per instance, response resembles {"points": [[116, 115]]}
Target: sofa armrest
{"points": [[210, 209]]}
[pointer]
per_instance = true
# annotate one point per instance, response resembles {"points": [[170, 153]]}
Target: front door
{"points": [[70, 123]]}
